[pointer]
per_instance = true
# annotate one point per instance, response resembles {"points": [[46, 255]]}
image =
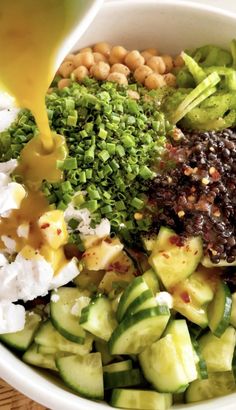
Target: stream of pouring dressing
{"points": [[31, 34]]}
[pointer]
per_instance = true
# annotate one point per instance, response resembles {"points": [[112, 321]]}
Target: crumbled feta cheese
{"points": [[12, 317], [23, 230], [80, 303], [3, 260], [8, 112], [164, 298], [84, 219], [65, 275], [12, 193], [9, 243], [55, 298], [25, 279]]}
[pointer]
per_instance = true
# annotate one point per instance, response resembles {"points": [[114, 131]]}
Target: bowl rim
{"points": [[23, 377]]}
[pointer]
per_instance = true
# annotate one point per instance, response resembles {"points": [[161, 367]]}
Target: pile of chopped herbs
{"points": [[113, 141]]}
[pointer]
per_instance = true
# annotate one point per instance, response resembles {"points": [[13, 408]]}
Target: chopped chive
{"points": [[104, 155], [137, 203]]}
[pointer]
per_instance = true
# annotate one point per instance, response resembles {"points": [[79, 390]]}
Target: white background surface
{"points": [[225, 4]]}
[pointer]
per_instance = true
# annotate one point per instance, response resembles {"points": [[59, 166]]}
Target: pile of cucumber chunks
{"points": [[132, 350]]}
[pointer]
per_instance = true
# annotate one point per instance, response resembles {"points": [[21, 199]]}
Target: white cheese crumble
{"points": [[65, 275], [55, 298], [164, 298], [23, 230], [8, 112], [9, 243], [12, 317], [12, 193], [84, 220]]}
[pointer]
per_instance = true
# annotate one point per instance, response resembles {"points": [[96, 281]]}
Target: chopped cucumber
{"points": [[125, 378], [118, 367], [195, 314], [199, 287], [144, 301], [233, 311], [102, 347], [63, 320], [218, 384], [47, 350], [219, 310], [178, 329], [98, 318], [140, 399], [33, 357], [133, 290], [48, 336], [83, 374], [163, 367], [21, 340], [200, 362], [173, 262], [136, 332], [151, 280], [149, 242], [218, 352]]}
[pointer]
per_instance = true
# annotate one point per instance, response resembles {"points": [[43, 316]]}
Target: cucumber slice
{"points": [[234, 365], [140, 399], [136, 332], [178, 329], [162, 366], [48, 336], [83, 374], [23, 339], [219, 310], [47, 350], [118, 367], [102, 347], [199, 287], [218, 352], [195, 314], [133, 290], [33, 357], [125, 378], [218, 384], [151, 280], [98, 318], [194, 330], [145, 300], [149, 242], [233, 311], [63, 320], [200, 362], [172, 262]]}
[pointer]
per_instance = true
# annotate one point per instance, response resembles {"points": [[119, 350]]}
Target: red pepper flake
{"points": [[185, 297], [215, 176], [176, 240], [118, 267], [165, 255], [59, 231], [45, 226]]}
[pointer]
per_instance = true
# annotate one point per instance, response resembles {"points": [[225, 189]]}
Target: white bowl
{"points": [[170, 26]]}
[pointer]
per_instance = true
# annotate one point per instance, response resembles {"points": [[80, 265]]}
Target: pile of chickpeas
{"points": [[106, 63]]}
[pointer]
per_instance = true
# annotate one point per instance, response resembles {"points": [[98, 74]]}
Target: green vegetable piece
{"points": [[194, 68]]}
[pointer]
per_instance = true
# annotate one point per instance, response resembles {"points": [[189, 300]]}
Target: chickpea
{"points": [[86, 59], [120, 68], [178, 61], [152, 51], [133, 94], [64, 82], [157, 64], [103, 48], [141, 73], [154, 81], [134, 59], [118, 54], [168, 60], [146, 55], [70, 57], [117, 78], [100, 70], [99, 57], [80, 73], [66, 69], [86, 50], [170, 79], [50, 90]]}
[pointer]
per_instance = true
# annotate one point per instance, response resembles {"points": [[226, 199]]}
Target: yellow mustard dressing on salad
{"points": [[31, 34]]}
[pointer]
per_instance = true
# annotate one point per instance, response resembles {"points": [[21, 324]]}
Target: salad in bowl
{"points": [[120, 278]]}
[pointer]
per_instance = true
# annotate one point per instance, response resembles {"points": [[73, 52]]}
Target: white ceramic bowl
{"points": [[170, 26]]}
